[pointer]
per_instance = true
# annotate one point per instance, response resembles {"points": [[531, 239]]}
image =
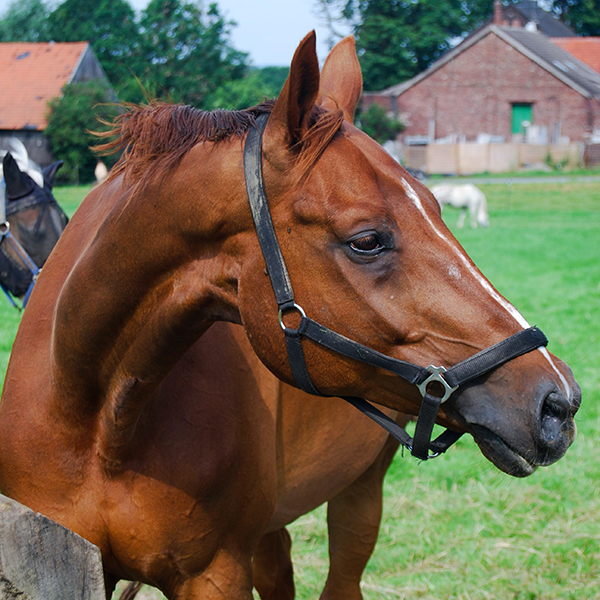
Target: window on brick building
{"points": [[522, 116]]}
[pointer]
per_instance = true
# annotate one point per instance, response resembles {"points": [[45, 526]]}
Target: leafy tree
{"points": [[582, 15], [71, 118], [240, 93], [257, 86], [396, 39], [25, 21], [273, 78], [109, 26], [186, 52], [375, 122]]}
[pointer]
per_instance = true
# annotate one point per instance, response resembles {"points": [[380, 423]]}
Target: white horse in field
{"points": [[467, 197]]}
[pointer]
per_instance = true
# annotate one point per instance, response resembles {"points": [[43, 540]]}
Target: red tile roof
{"points": [[31, 74], [585, 49]]}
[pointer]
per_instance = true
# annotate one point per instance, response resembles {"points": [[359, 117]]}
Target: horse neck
{"points": [[157, 271]]}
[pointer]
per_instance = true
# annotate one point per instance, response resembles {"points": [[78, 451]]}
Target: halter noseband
{"points": [[450, 379]]}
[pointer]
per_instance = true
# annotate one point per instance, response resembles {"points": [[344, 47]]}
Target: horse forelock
{"points": [[154, 138]]}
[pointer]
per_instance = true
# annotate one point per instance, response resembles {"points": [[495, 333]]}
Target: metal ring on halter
{"points": [[292, 307], [436, 375], [6, 225], [434, 455]]}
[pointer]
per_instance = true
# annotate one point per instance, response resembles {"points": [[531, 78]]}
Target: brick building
{"points": [[504, 83]]}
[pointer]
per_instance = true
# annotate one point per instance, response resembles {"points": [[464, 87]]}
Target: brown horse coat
{"points": [[133, 417]]}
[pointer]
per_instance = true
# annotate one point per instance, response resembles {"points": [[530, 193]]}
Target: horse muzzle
{"points": [[518, 452]]}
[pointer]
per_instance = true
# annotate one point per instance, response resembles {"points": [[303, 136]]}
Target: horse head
{"points": [[23, 182], [370, 258], [34, 217], [373, 269]]}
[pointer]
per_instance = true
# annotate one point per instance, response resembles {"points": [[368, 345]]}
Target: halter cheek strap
{"points": [[7, 236], [450, 379]]}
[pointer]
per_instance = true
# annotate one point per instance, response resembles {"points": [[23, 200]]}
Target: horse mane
{"points": [[153, 138]]}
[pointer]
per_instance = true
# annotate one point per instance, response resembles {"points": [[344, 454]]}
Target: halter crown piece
{"points": [[450, 379]]}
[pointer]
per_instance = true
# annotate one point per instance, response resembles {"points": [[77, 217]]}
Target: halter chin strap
{"points": [[449, 379]]}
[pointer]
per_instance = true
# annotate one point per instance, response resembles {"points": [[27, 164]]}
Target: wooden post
{"points": [[42, 560]]}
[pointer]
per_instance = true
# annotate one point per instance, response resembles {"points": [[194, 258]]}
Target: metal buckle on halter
{"points": [[437, 375], [292, 306]]}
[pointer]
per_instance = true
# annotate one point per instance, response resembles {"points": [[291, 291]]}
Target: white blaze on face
{"points": [[410, 192]]}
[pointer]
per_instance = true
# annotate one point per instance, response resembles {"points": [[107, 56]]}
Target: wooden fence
{"points": [[470, 158], [42, 560]]}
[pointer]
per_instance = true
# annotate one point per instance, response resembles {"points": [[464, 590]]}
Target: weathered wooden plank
{"points": [[42, 560]]}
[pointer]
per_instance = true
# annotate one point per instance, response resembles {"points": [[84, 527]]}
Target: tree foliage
{"points": [[375, 122], [71, 119], [257, 86], [25, 20], [109, 26], [581, 15], [396, 39], [186, 53], [273, 78]]}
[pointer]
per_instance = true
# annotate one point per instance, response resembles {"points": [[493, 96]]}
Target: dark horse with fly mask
{"points": [[31, 221]]}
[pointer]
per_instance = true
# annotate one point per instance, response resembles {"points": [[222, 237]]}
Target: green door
{"points": [[521, 111]]}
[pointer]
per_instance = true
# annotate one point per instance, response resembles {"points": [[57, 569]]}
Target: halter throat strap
{"points": [[450, 379]]}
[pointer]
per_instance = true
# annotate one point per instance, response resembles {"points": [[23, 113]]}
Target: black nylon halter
{"points": [[450, 379]]}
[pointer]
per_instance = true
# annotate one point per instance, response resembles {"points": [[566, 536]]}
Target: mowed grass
{"points": [[456, 528]]}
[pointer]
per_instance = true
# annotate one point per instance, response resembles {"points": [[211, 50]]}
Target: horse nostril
{"points": [[556, 405], [554, 417]]}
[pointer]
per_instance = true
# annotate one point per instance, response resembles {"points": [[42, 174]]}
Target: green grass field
{"points": [[456, 528]]}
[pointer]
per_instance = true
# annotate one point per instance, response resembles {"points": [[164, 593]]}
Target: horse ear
{"points": [[18, 184], [341, 79], [289, 117], [49, 172]]}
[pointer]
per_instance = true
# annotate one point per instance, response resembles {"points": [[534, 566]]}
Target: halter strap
{"points": [[450, 379], [6, 234], [280, 280]]}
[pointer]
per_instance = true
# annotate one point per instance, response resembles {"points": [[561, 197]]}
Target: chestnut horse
{"points": [[134, 418]]}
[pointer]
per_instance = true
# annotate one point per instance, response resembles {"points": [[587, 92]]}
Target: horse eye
{"points": [[367, 244]]}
